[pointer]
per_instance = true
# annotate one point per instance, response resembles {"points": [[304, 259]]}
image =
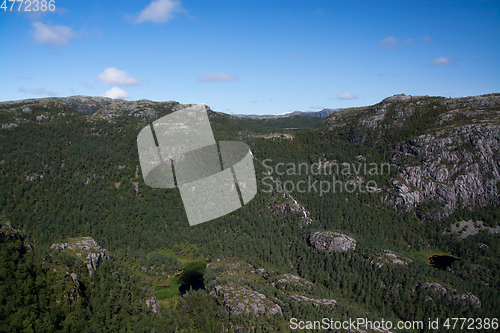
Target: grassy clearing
{"points": [[425, 255], [167, 292], [193, 264]]}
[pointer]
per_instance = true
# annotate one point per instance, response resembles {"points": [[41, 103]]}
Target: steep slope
{"points": [[446, 151]]}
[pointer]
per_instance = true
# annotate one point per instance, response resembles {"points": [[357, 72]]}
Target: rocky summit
{"points": [[85, 248]]}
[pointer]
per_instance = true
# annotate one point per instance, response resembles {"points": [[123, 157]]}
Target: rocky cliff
{"points": [[458, 168], [446, 151]]}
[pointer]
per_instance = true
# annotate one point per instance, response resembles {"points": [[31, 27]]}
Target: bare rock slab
{"points": [[332, 241]]}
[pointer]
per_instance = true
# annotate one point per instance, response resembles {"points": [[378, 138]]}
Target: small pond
{"points": [[442, 261], [192, 277]]}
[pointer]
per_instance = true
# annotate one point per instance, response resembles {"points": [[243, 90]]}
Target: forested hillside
{"points": [[408, 228]]}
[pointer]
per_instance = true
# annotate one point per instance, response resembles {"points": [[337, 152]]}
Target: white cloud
{"points": [[217, 77], [347, 95], [38, 91], [159, 11], [390, 42], [316, 108], [441, 61], [116, 92], [53, 35], [112, 75], [427, 38]]}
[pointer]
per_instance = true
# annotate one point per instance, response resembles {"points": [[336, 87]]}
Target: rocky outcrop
{"points": [[95, 258], [314, 301], [234, 284], [71, 289], [243, 300], [289, 281], [400, 98], [276, 136], [86, 248], [332, 241], [391, 258], [458, 168], [7, 231], [153, 304], [447, 150], [470, 228], [439, 291], [285, 203]]}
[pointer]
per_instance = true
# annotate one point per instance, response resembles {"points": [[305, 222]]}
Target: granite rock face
{"points": [[332, 241], [470, 228], [244, 289], [439, 291], [243, 300], [85, 248], [459, 168], [153, 304], [446, 150]]}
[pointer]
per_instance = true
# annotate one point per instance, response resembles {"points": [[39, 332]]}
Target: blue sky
{"points": [[260, 57]]}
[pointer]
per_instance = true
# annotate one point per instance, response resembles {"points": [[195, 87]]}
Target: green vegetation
{"points": [[191, 277], [71, 176]]}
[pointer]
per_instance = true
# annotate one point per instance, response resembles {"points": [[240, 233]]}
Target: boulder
{"points": [[332, 241]]}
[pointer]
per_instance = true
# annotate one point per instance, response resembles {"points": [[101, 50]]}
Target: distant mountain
{"points": [[321, 114], [103, 107], [90, 105]]}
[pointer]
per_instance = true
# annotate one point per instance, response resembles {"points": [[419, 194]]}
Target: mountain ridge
{"points": [[89, 105], [70, 169]]}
